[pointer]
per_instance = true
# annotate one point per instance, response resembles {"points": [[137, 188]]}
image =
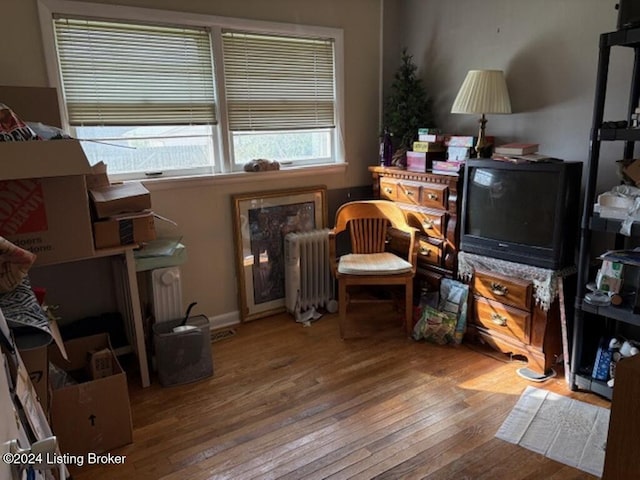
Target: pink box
{"points": [[421, 161]]}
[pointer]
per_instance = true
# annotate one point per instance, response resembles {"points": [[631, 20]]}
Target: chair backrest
{"points": [[368, 222]]}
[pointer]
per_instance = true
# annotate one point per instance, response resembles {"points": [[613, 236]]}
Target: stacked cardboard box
{"points": [[122, 214]]}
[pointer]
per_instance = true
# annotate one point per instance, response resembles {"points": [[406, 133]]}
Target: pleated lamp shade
{"points": [[483, 91]]}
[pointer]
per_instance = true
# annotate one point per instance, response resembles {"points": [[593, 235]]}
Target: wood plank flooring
{"points": [[294, 402]]}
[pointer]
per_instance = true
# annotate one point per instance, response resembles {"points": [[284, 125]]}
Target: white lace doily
{"points": [[545, 282]]}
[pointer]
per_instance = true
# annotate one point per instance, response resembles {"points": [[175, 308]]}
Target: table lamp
{"points": [[483, 91]]}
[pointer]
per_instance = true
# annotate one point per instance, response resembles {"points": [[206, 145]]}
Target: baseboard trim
{"points": [[225, 320]]}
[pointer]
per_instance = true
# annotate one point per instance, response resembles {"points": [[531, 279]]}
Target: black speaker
{"points": [[628, 14]]}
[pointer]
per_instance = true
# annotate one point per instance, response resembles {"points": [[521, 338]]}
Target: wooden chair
{"points": [[368, 263]]}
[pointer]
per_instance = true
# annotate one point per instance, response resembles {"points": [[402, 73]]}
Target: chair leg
{"points": [[342, 306], [408, 305]]}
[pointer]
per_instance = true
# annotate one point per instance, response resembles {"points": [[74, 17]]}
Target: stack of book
{"points": [[520, 153]]}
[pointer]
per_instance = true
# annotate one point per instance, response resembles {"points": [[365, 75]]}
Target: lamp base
{"points": [[486, 151], [484, 148]]}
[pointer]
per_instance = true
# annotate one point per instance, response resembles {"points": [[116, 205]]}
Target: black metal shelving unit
{"points": [[580, 377]]}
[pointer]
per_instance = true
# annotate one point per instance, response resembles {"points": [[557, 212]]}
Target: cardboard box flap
{"points": [[40, 159], [76, 351], [33, 104], [98, 176], [118, 191]]}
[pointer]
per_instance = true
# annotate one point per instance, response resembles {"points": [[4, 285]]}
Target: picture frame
{"points": [[260, 222]]}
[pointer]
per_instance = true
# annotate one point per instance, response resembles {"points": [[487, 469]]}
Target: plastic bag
{"points": [[453, 299], [436, 326], [12, 129], [446, 323]]}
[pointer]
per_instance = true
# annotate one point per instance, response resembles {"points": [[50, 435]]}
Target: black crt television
{"points": [[525, 213]]}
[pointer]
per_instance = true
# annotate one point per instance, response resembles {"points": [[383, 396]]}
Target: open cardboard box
{"points": [[44, 205], [93, 415]]}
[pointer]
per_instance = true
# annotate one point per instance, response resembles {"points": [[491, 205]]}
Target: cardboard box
{"points": [[98, 176], [44, 205], [33, 104], [93, 415], [421, 161], [428, 147], [34, 352], [459, 153], [633, 171], [124, 230], [36, 361], [460, 141], [120, 198], [609, 276]]}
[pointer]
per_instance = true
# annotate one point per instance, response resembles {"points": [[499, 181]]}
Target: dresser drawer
{"points": [[429, 251], [434, 196], [508, 290], [500, 318], [409, 192], [431, 222], [388, 189]]}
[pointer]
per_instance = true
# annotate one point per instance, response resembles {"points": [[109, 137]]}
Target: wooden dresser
{"points": [[504, 314], [431, 203]]}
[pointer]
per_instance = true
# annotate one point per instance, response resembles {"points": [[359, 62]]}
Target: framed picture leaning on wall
{"points": [[260, 222]]}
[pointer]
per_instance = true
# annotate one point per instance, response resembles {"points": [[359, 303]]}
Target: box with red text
{"points": [[44, 205]]}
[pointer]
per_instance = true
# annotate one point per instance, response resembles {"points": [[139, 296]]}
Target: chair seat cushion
{"points": [[384, 263]]}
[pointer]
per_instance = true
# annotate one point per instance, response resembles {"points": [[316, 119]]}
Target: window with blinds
{"points": [[145, 91], [280, 94], [128, 74], [278, 83], [143, 94]]}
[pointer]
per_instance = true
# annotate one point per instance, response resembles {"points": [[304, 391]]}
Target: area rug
{"points": [[560, 428]]}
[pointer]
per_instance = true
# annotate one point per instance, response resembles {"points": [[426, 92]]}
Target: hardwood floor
{"points": [[294, 402]]}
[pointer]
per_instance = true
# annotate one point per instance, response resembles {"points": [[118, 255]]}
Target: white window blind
{"points": [[116, 73], [277, 82]]}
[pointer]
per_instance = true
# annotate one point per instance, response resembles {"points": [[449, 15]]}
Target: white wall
{"points": [[548, 50], [203, 212]]}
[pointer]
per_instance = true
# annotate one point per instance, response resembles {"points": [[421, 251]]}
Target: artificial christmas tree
{"points": [[407, 108]]}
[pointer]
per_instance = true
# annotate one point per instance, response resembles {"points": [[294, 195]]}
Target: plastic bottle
{"points": [[386, 149]]}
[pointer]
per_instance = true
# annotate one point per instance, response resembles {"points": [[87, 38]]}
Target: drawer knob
{"points": [[409, 193], [432, 196], [499, 319], [427, 224], [499, 289], [388, 190], [425, 251]]}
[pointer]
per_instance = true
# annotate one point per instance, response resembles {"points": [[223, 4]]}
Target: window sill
{"points": [[241, 177]]}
